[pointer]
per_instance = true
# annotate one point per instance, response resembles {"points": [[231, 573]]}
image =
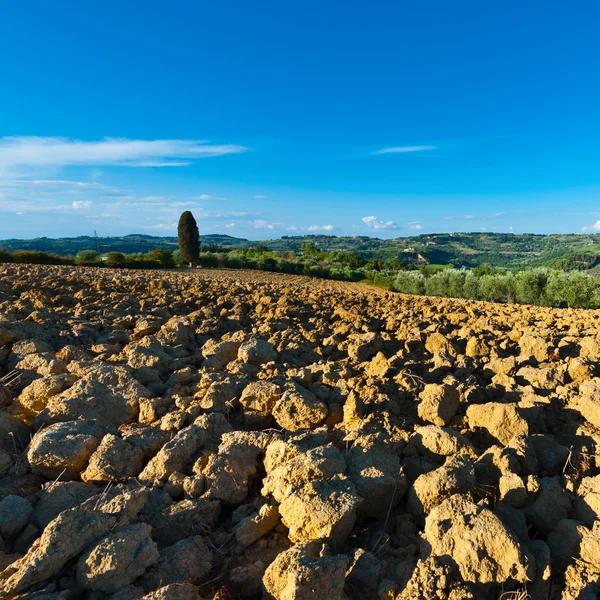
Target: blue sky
{"points": [[276, 118]]}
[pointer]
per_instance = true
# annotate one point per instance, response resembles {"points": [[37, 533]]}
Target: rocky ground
{"points": [[224, 435]]}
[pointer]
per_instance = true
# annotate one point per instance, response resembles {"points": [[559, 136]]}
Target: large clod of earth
{"points": [[206, 434]]}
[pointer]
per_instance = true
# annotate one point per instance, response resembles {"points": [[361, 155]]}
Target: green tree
{"points": [[189, 237], [163, 257], [87, 257], [116, 259]]}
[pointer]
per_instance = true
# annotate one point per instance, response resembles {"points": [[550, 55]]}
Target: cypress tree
{"points": [[189, 237]]}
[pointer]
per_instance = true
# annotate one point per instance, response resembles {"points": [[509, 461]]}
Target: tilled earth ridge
{"points": [[230, 434]]}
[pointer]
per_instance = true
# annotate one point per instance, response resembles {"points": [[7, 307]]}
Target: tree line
{"points": [[540, 286]]}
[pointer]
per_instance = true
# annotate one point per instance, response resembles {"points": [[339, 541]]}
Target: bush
{"points": [[531, 286], [163, 257], [88, 258], [34, 257], [179, 259], [208, 259], [573, 290], [410, 282], [449, 282], [115, 260], [6, 257], [498, 288]]}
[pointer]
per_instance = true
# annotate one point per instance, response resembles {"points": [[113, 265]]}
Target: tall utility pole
{"points": [[96, 242]]}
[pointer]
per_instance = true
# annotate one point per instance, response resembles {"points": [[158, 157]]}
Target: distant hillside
{"points": [[457, 249], [128, 244]]}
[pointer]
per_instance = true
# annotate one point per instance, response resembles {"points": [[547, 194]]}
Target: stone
{"points": [[376, 474], [117, 559], [438, 403], [365, 347], [35, 396], [113, 460], [299, 408], [64, 539], [565, 540], [252, 528], [256, 352], [532, 345], [174, 591], [106, 393], [379, 367], [477, 541], [63, 449], [552, 504], [501, 421], [304, 573], [321, 510], [229, 472], [188, 517], [436, 443], [513, 490], [587, 504], [14, 515], [456, 476], [175, 454], [57, 496], [189, 560], [588, 403], [261, 397]]}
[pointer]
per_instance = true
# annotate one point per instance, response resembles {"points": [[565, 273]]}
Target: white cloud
{"points": [[81, 204], [169, 226], [207, 197], [260, 197], [24, 151], [229, 225], [460, 217], [321, 228], [53, 183], [261, 224], [417, 227], [594, 227], [375, 223], [403, 149]]}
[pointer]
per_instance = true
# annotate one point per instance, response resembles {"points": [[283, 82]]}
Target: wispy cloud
{"points": [[320, 228], [165, 226], [403, 149], [81, 204], [260, 197], [459, 217], [24, 151], [262, 224], [208, 197], [54, 183], [375, 223]]}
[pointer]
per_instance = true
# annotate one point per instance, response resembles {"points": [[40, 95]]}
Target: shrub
{"points": [[6, 257], [531, 286], [116, 260], [498, 288], [267, 263], [163, 257], [87, 258], [208, 259], [40, 258], [410, 282], [449, 283], [573, 290]]}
